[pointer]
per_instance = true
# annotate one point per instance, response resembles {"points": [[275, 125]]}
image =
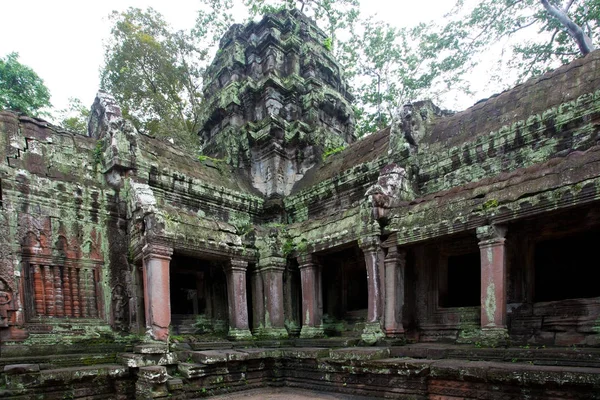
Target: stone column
{"points": [[493, 280], [258, 303], [312, 303], [271, 270], [395, 263], [157, 297], [236, 298], [372, 332]]}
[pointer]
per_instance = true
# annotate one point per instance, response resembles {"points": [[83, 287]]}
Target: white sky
{"points": [[62, 40]]}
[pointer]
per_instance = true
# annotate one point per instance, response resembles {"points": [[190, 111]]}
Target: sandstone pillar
{"points": [[272, 277], [312, 303], [258, 303], [236, 298], [157, 297], [493, 280], [395, 263], [372, 332]]}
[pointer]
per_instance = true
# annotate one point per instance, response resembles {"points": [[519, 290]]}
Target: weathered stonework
{"points": [[125, 260]]}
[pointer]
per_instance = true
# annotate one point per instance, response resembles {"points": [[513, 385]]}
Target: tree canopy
{"points": [[538, 35], [155, 73], [21, 89]]}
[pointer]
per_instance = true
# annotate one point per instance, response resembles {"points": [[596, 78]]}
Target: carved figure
{"points": [[387, 192], [5, 300], [119, 302]]}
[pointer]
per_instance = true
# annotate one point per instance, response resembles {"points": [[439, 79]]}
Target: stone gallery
{"points": [[448, 256]]}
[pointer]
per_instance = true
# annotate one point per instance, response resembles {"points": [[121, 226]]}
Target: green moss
{"points": [[332, 151], [98, 155], [492, 203], [328, 43]]}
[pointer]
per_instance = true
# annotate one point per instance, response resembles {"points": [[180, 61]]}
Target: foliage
{"points": [[478, 28], [333, 16], [74, 118], [154, 74], [21, 89], [332, 151]]}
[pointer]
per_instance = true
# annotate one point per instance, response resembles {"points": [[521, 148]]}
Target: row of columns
{"points": [[385, 278], [156, 260]]}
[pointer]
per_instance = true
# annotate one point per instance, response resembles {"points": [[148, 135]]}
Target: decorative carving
{"points": [[6, 297], [491, 233], [120, 303], [392, 187], [63, 291]]}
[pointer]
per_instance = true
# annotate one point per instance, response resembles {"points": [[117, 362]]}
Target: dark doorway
{"points": [[463, 281], [198, 295], [566, 268], [345, 288]]}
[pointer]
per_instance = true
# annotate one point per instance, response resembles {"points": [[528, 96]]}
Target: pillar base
{"points": [[270, 333], [239, 334], [312, 332], [394, 333], [494, 336], [372, 333]]}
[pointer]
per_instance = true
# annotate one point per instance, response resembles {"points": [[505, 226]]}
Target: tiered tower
{"points": [[275, 100]]}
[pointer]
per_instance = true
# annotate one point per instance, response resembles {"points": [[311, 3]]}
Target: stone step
{"points": [[576, 357], [136, 360], [29, 376], [61, 360], [328, 342]]}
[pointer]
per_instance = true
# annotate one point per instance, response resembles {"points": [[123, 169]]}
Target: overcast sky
{"points": [[62, 40]]}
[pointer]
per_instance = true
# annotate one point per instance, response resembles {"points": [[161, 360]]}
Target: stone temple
{"points": [[449, 256]]}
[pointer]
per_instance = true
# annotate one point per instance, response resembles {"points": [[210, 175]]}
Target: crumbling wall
{"points": [[58, 216]]}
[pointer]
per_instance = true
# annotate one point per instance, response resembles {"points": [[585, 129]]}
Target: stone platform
{"points": [[417, 371]]}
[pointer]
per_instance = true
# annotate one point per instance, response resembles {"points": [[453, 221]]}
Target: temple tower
{"points": [[275, 101]]}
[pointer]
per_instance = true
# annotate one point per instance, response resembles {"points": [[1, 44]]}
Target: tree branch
{"points": [[582, 40]]}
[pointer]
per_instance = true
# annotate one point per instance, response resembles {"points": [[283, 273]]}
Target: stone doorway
{"points": [[345, 292], [198, 296]]}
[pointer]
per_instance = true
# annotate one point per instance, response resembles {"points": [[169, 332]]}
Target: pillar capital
{"points": [[395, 255], [272, 264], [157, 251], [369, 243], [236, 264], [491, 233], [307, 261]]}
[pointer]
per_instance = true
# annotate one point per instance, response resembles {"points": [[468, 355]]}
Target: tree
{"points": [[21, 89], [565, 29], [153, 73], [74, 118]]}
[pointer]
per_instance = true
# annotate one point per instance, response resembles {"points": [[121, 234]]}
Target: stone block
{"points": [[151, 348], [174, 384], [154, 374], [21, 368], [359, 354], [136, 360], [191, 371], [217, 356]]}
